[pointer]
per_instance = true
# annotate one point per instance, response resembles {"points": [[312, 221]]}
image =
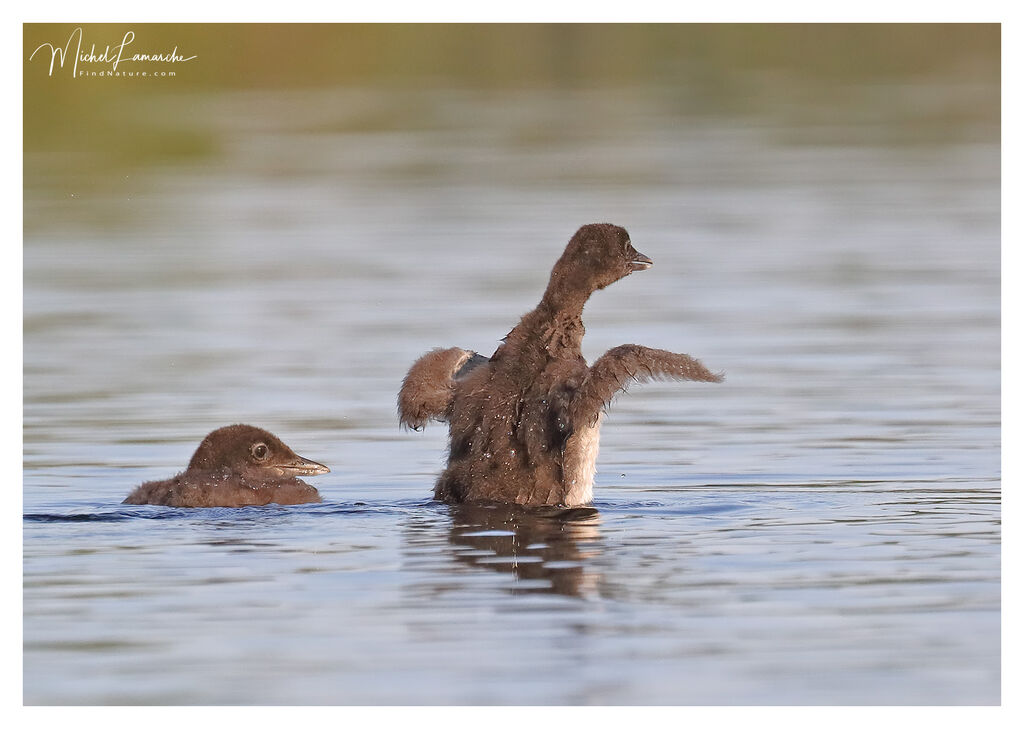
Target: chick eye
{"points": [[259, 451]]}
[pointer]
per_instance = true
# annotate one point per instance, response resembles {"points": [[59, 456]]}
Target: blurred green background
{"points": [[106, 124], [272, 236]]}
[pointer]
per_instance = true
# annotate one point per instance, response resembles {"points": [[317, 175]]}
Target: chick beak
{"points": [[302, 467], [640, 262]]}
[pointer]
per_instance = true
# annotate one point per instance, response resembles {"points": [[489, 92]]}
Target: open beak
{"points": [[302, 467], [640, 262]]}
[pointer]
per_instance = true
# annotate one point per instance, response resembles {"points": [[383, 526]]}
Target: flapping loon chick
{"points": [[238, 465], [524, 425]]}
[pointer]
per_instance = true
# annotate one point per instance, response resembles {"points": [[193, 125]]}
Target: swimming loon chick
{"points": [[238, 465], [524, 425]]}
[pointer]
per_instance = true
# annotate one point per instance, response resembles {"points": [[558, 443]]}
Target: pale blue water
{"points": [[824, 527]]}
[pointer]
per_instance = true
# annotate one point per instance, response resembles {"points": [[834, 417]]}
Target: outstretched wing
{"points": [[428, 386], [617, 367]]}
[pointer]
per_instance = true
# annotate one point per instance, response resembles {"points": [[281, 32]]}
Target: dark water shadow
{"points": [[105, 513], [102, 517]]}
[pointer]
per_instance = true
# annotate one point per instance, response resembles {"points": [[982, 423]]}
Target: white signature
{"points": [[114, 55]]}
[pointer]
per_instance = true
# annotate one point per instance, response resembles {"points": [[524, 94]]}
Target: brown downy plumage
{"points": [[238, 465], [524, 425]]}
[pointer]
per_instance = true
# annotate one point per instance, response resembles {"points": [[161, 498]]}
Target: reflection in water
{"points": [[823, 205], [545, 549]]}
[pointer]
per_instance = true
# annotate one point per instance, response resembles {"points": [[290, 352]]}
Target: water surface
{"points": [[824, 527]]}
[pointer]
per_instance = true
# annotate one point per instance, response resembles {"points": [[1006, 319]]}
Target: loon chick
{"points": [[238, 465], [524, 424]]}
